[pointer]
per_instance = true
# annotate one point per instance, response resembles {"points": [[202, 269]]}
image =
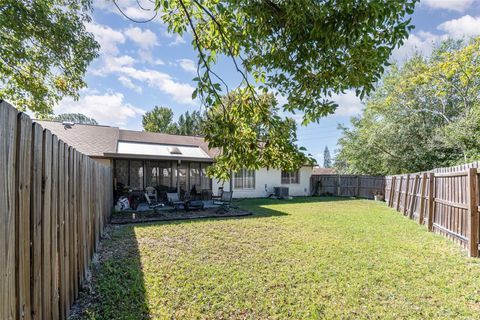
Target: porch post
{"points": [[178, 182]]}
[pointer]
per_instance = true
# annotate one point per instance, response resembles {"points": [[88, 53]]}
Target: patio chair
{"points": [[174, 200], [152, 205], [219, 196], [225, 200], [152, 192]]}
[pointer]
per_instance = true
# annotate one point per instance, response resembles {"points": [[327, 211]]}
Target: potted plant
{"points": [[378, 196]]}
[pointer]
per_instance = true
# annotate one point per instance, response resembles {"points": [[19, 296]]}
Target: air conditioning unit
{"points": [[280, 192]]}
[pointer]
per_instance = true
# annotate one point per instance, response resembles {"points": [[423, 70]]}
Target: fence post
{"points": [[431, 195], [399, 193], [405, 202], [472, 217], [422, 197]]}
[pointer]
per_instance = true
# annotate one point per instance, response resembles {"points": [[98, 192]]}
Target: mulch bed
{"points": [[149, 216]]}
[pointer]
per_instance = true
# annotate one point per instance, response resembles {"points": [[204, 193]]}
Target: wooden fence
{"points": [[54, 203], [444, 199], [347, 185]]}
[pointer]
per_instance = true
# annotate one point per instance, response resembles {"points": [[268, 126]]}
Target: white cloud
{"points": [[109, 108], [122, 61], [159, 62], [466, 26], [106, 37], [177, 41], [145, 39], [455, 5], [180, 92], [422, 42], [348, 104], [128, 83], [130, 8], [112, 64], [187, 65], [146, 56]]}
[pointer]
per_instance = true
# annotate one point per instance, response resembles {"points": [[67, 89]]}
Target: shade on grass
{"points": [[307, 258]]}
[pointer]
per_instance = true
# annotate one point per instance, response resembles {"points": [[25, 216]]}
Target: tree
{"points": [[75, 118], [190, 124], [260, 136], [305, 50], [160, 119], [327, 159], [423, 115], [44, 52]]}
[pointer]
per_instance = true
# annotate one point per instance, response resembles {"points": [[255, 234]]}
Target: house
{"points": [[321, 171], [170, 162]]}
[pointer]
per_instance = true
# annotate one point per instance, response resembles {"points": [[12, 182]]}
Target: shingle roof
{"points": [[319, 170], [88, 139], [96, 141]]}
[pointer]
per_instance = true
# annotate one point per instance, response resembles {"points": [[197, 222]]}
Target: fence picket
{"points": [[8, 132], [22, 216]]}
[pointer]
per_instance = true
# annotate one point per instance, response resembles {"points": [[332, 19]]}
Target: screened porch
{"points": [[135, 175]]}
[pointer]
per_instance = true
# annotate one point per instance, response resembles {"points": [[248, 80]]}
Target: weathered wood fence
{"points": [[340, 185], [54, 203], [444, 199]]}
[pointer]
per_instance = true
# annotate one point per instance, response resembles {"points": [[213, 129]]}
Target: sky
{"points": [[141, 65]]}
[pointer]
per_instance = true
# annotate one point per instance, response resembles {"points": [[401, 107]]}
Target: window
{"points": [[244, 179], [290, 177], [136, 175], [195, 176], [121, 173], [165, 175], [182, 176], [151, 173], [206, 181]]}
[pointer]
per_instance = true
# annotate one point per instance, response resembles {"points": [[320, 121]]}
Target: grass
{"points": [[310, 258]]}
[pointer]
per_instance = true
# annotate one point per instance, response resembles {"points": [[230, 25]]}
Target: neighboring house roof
{"points": [[319, 170], [104, 141], [92, 140]]}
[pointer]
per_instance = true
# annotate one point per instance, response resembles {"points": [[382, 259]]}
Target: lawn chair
{"points": [[152, 192], [174, 200], [152, 205], [225, 200], [219, 196]]}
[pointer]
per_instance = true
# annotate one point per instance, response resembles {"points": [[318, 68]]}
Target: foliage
{"points": [[44, 51], [259, 137], [190, 124], [75, 118], [160, 119], [308, 258], [327, 158], [423, 115], [305, 50]]}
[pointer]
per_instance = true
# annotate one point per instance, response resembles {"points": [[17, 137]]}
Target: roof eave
{"points": [[154, 157]]}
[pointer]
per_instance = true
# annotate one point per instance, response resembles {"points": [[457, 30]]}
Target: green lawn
{"points": [[310, 258]]}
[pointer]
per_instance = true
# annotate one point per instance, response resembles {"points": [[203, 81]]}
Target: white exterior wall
{"points": [[266, 180]]}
